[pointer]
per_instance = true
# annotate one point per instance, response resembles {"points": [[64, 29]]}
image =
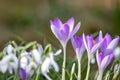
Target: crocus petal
{"points": [[89, 40], [104, 45], [56, 32], [57, 23], [100, 37], [85, 42], [23, 74], [78, 46], [65, 32], [74, 30], [106, 61], [70, 22], [96, 47], [99, 58], [112, 45], [108, 38]]}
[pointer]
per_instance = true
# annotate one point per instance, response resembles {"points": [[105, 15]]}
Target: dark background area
{"points": [[29, 19]]}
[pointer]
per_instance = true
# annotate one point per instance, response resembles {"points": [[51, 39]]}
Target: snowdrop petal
{"points": [[58, 52], [117, 53], [47, 77], [3, 67], [45, 65], [36, 55]]}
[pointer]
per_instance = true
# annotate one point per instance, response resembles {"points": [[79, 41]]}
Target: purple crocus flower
{"points": [[65, 31], [109, 45], [92, 45], [103, 60], [78, 46], [106, 55], [23, 74]]}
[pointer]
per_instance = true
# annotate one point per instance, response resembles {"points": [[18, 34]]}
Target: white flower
{"points": [[36, 53], [8, 49], [10, 63], [49, 61], [24, 60], [27, 63], [117, 53]]}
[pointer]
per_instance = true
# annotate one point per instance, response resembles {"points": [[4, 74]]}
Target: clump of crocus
{"points": [[79, 48], [63, 32], [91, 45], [106, 55]]}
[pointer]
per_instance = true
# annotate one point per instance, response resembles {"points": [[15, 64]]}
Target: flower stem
{"points": [[37, 76], [88, 70], [79, 70], [64, 62], [100, 75]]}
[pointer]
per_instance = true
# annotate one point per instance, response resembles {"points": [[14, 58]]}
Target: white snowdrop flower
{"points": [[8, 49], [53, 63], [10, 63], [92, 61], [45, 67], [117, 53], [30, 68], [36, 55], [48, 62], [24, 60]]}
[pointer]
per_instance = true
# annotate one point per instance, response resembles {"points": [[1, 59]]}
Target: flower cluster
{"points": [[31, 60], [103, 47], [23, 63]]}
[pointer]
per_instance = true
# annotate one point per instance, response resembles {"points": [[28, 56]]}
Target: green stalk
{"points": [[64, 62]]}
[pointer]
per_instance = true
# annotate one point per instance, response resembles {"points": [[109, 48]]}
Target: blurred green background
{"points": [[29, 19]]}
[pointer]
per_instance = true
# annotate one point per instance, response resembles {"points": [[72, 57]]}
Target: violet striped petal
{"points": [[106, 61], [108, 38], [74, 30], [99, 57], [85, 42], [23, 74], [56, 32], [70, 22], [57, 23], [65, 32], [112, 45]]}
